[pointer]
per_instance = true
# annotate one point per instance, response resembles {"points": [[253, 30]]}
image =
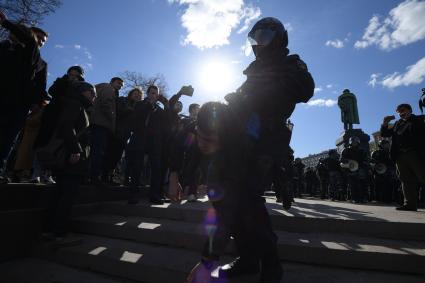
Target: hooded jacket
{"points": [[66, 117]]}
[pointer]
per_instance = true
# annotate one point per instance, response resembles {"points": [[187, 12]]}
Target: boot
{"points": [[240, 266]]}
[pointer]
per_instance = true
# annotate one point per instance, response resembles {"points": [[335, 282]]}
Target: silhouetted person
{"points": [[22, 78], [408, 152]]}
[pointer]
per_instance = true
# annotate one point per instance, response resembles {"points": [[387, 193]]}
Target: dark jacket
{"points": [[184, 150], [149, 124], [66, 117], [125, 118], [60, 86], [355, 153], [39, 83], [104, 108], [173, 119], [19, 62], [406, 135], [268, 97]]}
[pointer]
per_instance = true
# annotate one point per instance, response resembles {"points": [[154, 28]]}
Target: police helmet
{"points": [[268, 33]]}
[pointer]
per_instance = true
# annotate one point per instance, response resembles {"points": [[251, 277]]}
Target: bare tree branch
{"points": [[138, 80], [30, 12]]}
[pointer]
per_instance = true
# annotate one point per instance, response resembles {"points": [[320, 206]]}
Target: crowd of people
{"points": [[375, 180], [75, 132], [393, 173]]}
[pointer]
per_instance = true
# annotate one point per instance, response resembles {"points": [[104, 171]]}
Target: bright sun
{"points": [[217, 77]]}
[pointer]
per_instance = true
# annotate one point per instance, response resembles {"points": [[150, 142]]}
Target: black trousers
{"points": [[240, 212], [135, 164], [60, 204], [12, 120], [113, 154], [100, 137]]}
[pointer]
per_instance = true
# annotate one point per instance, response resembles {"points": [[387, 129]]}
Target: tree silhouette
{"points": [[29, 12], [134, 79]]}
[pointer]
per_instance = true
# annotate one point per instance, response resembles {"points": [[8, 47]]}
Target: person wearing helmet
{"points": [[356, 174], [335, 187], [322, 174], [298, 177], [384, 173], [276, 82]]}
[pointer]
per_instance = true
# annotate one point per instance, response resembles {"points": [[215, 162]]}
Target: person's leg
{"points": [[134, 168], [323, 187], [261, 240], [234, 221], [418, 167], [12, 120], [255, 238], [99, 137], [113, 155], [333, 185], [68, 187], [353, 181], [154, 153], [408, 180], [280, 182], [37, 171]]}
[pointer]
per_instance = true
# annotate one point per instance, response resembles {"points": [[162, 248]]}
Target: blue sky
{"points": [[374, 48]]}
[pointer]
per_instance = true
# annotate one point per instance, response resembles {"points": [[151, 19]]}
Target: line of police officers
{"points": [[352, 175]]}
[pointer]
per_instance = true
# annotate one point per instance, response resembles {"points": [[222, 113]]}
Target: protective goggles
{"points": [[261, 37]]}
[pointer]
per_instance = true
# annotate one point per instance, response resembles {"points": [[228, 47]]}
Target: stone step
{"points": [[43, 271], [313, 248], [19, 230], [127, 259], [150, 263], [305, 217]]}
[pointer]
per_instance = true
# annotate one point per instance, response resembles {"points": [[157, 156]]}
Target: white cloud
{"points": [[80, 54], [322, 102], [329, 86], [250, 14], [88, 54], [209, 23], [415, 74], [374, 80], [318, 89], [337, 43], [288, 27], [404, 25]]}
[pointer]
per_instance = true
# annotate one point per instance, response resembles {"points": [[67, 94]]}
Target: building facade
{"points": [[313, 159]]}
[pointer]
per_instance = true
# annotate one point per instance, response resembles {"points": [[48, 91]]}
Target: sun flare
{"points": [[217, 77]]}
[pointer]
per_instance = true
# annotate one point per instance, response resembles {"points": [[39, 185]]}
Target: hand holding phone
{"points": [[187, 90]]}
